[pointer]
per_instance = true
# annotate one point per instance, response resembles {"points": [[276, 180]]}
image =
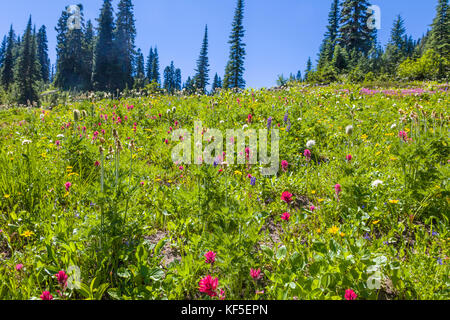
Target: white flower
{"points": [[245, 126], [349, 130], [393, 126], [60, 136], [310, 144], [26, 142], [376, 183], [299, 119]]}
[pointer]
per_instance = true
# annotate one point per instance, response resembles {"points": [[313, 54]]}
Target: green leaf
{"points": [[156, 274], [281, 252]]}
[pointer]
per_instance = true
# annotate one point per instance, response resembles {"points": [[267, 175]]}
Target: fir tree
{"points": [[308, 68], [27, 71], [125, 34], [299, 76], [354, 31], [7, 71], [42, 54], [217, 83], [104, 54], [88, 51], [155, 67], [202, 77], [139, 80], [149, 64], [177, 79], [3, 51], [189, 86], [440, 32], [73, 71], [331, 36], [234, 70], [394, 53]]}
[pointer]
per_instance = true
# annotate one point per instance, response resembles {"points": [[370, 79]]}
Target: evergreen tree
{"points": [[234, 70], [104, 54], [217, 83], [125, 34], [299, 76], [440, 32], [354, 31], [202, 77], [73, 71], [168, 79], [7, 71], [394, 53], [149, 64], [3, 51], [139, 81], [42, 54], [340, 59], [88, 49], [308, 68], [177, 79], [331, 36], [155, 67], [27, 72], [189, 86]]}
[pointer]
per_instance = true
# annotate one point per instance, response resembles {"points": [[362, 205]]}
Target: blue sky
{"points": [[280, 34]]}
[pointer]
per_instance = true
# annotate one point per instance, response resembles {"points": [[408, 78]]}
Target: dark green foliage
{"points": [[42, 54], [440, 33], [155, 67], [354, 32], [202, 78], [217, 83], [189, 86], [308, 68], [73, 66], [139, 80], [234, 70], [331, 36], [7, 70], [27, 71], [104, 67], [124, 38], [148, 66], [172, 78]]}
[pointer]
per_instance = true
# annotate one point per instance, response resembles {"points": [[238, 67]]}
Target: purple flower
{"points": [[253, 181], [269, 123], [286, 117]]}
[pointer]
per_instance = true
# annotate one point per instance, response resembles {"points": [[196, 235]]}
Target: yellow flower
{"points": [[364, 136], [318, 230], [27, 234], [333, 230], [313, 192], [238, 172], [6, 196], [342, 234], [376, 222], [44, 155], [378, 153], [321, 200], [393, 201]]}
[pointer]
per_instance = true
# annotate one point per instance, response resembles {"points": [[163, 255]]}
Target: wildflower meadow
{"points": [[93, 205]]}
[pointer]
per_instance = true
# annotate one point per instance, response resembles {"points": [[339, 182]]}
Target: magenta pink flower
{"points": [[307, 154], [19, 266], [68, 185], [96, 163], [222, 294], [210, 257], [57, 143], [46, 296], [249, 118], [349, 157], [337, 189], [350, 294], [255, 274], [284, 165], [312, 208], [208, 285], [61, 276], [286, 197], [285, 216]]}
